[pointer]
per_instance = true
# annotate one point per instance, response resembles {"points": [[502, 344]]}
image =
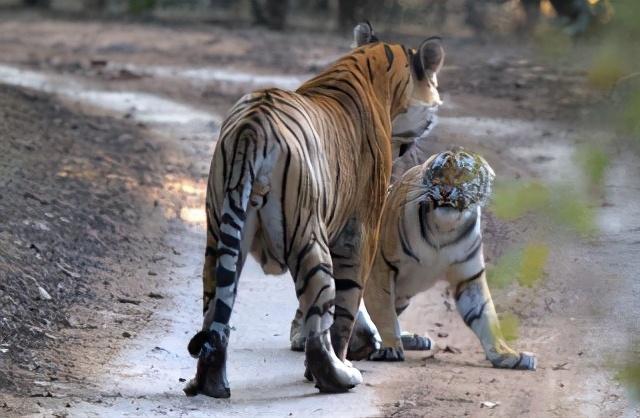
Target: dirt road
{"points": [[169, 88]]}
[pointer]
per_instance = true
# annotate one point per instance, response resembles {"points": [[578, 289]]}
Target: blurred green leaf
{"points": [[509, 325], [571, 209], [607, 67], [631, 115], [552, 43], [593, 161], [506, 270], [629, 375], [512, 200], [533, 261], [141, 6]]}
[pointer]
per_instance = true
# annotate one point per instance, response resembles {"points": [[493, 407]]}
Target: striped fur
{"points": [[431, 231], [299, 180]]}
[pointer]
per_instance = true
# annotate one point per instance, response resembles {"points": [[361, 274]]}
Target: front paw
{"points": [[362, 345], [522, 361], [387, 354], [415, 342]]}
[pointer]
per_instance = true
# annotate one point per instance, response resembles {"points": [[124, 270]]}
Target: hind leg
{"points": [[476, 308], [315, 289], [347, 258]]}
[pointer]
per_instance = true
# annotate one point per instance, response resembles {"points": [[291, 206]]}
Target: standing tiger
{"points": [[430, 230], [299, 180]]}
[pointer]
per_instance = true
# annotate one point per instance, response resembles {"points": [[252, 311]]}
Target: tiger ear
{"points": [[429, 58], [363, 34]]}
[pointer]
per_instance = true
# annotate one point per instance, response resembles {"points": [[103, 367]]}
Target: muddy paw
{"points": [[211, 373], [415, 342], [387, 354]]}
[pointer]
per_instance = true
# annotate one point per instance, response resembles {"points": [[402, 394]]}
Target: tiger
{"points": [[430, 230], [409, 128], [298, 179]]}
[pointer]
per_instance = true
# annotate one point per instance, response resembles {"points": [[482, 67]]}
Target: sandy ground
{"points": [[169, 87]]}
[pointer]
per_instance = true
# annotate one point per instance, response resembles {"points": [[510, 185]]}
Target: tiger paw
{"points": [[522, 361], [211, 372], [387, 354], [415, 342], [363, 344], [330, 374], [365, 338]]}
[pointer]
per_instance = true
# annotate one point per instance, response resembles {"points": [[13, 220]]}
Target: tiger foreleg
{"points": [[316, 291], [380, 299], [474, 304]]}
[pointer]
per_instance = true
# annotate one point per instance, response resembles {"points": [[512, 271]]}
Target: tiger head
{"points": [[417, 117], [457, 179]]}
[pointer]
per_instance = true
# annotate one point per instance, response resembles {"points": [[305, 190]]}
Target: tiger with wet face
{"points": [[430, 230], [299, 180]]}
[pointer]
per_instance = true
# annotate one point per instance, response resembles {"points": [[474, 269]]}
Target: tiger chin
{"points": [[431, 231]]}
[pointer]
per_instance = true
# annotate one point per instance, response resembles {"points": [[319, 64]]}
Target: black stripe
{"points": [[226, 251], [401, 309], [395, 91], [472, 253], [230, 241], [346, 284], [305, 281], [210, 251], [210, 230], [406, 248], [467, 230], [389, 53], [307, 248], [344, 313], [222, 313], [283, 198], [228, 219], [391, 266], [334, 205], [424, 223], [369, 68], [458, 292], [224, 277], [472, 315], [237, 210]]}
